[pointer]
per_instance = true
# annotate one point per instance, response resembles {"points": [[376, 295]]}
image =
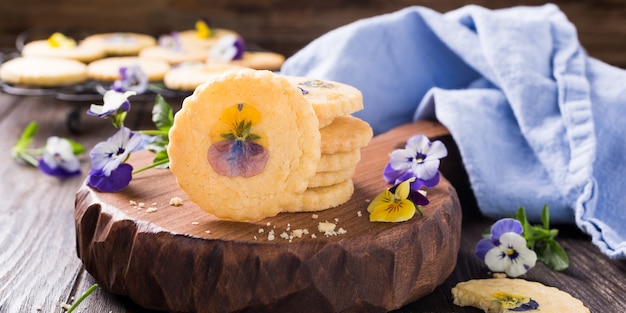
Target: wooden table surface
{"points": [[40, 270]]}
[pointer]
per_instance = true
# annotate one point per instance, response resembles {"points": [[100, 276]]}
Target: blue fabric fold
{"points": [[537, 121]]}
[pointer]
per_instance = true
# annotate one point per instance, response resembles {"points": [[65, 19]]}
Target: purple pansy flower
{"points": [[226, 49], [109, 173], [419, 159], [506, 250], [59, 159], [114, 102], [132, 78]]}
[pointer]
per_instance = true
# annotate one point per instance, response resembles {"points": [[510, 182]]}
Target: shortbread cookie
{"points": [[260, 60], [329, 98], [43, 71], [244, 145], [122, 43], [108, 69], [190, 76], [174, 56], [323, 179], [339, 161], [499, 295], [83, 52], [345, 133], [323, 198]]}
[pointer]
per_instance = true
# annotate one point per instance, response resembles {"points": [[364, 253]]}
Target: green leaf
{"points": [[545, 217], [162, 114], [76, 147], [553, 255], [25, 139], [162, 159]]}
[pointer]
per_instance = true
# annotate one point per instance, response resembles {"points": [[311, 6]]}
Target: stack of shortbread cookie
{"points": [[248, 144], [342, 137]]}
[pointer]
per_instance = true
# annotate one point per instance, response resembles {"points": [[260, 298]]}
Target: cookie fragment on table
{"points": [[500, 295]]}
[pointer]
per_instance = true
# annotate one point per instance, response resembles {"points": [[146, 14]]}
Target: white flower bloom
{"points": [[511, 256]]}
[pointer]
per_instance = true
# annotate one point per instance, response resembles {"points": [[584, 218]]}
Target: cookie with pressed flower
{"points": [[323, 198], [59, 46], [339, 161], [329, 98], [344, 134], [43, 71], [260, 60], [499, 295], [190, 76], [205, 40], [108, 69], [121, 43], [174, 56], [244, 145]]}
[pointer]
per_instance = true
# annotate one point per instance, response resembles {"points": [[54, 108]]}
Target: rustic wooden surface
{"points": [[285, 26], [40, 269], [372, 267]]}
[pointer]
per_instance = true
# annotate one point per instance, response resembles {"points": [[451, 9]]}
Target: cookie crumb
{"points": [[195, 223], [270, 235], [151, 209], [314, 216], [207, 231], [359, 214], [176, 201]]}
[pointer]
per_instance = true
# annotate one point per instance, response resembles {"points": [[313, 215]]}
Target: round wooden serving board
{"points": [[181, 259]]}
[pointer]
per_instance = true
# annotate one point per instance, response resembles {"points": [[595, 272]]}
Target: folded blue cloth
{"points": [[536, 119]]}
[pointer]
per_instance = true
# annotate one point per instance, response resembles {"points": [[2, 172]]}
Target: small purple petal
{"points": [[483, 246], [240, 45], [57, 171], [118, 180], [418, 198], [390, 175], [429, 183], [505, 225]]}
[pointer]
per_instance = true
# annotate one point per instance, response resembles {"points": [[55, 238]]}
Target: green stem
{"points": [[82, 297], [153, 165], [153, 132]]}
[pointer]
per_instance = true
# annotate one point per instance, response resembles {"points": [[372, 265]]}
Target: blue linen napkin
{"points": [[537, 120]]}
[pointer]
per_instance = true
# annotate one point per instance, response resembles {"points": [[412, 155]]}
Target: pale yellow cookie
{"points": [[339, 161], [500, 295], [244, 145], [173, 56], [190, 38], [345, 133], [190, 76], [330, 99], [259, 60], [323, 198], [83, 52], [122, 43], [322, 179], [108, 69], [43, 71]]}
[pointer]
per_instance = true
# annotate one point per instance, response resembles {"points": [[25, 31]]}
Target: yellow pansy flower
{"points": [[203, 30], [394, 206]]}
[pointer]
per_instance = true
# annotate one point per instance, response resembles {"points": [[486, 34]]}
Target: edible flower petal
{"points": [[114, 101], [227, 48], [393, 206], [58, 158], [420, 159], [203, 30], [515, 302], [171, 42], [58, 40], [500, 227], [132, 78], [236, 150], [106, 156], [511, 256], [117, 180]]}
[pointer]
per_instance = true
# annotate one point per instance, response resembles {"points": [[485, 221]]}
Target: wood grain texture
{"points": [[185, 260], [286, 26]]}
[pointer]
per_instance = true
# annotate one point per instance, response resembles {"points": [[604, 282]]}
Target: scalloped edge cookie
{"points": [[286, 127], [43, 71]]}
